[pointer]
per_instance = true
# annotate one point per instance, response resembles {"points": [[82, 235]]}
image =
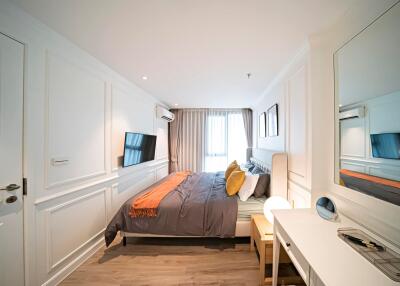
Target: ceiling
{"points": [[195, 53]]}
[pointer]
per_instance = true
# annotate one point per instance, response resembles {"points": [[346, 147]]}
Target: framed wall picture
{"points": [[262, 125], [272, 119]]}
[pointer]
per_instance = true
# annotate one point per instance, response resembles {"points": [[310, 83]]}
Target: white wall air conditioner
{"points": [[357, 112], [163, 113]]}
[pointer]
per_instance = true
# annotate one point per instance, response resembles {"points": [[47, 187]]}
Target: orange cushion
{"points": [[234, 182], [232, 166]]}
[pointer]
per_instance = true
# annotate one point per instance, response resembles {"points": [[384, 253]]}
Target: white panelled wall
{"points": [[290, 91], [305, 93], [76, 109], [381, 115], [379, 216]]}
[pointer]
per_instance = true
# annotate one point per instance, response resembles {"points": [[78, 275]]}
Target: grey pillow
{"points": [[256, 171], [250, 167], [262, 187]]}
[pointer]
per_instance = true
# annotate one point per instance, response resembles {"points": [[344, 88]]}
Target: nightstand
{"points": [[261, 240]]}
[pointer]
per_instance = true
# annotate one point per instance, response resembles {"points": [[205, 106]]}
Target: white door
{"points": [[11, 130]]}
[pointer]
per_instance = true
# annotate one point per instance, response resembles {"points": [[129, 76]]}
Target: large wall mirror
{"points": [[367, 91]]}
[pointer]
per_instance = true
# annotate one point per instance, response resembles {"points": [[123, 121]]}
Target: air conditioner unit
{"points": [[164, 114], [357, 112]]}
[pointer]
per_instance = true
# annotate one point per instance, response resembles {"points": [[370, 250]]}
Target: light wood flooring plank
{"points": [[170, 261]]}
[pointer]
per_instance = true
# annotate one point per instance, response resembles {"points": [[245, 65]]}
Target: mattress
{"points": [[245, 210], [252, 206]]}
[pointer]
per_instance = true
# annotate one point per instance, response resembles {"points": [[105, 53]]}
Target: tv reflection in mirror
{"points": [[138, 148], [367, 93], [386, 145]]}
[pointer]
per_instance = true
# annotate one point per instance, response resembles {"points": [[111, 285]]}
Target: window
{"points": [[225, 140]]}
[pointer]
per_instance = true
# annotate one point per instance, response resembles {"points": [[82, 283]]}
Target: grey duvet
{"points": [[199, 206]]}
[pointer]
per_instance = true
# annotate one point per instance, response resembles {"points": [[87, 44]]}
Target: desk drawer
{"points": [[293, 252]]}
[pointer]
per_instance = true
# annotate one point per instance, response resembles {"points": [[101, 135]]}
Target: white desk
{"points": [[317, 249]]}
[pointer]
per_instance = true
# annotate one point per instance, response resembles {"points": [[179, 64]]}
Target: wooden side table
{"points": [[262, 237], [261, 232]]}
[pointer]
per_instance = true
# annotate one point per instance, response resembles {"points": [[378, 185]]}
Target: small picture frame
{"points": [[262, 125], [272, 118]]}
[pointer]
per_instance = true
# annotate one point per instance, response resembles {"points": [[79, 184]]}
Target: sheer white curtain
{"points": [[225, 139]]}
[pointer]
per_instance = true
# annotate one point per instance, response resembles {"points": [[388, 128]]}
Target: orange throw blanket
{"points": [[147, 204], [370, 178]]}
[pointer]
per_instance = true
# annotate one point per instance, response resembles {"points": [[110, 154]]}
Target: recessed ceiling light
{"points": [[340, 105], [176, 104], [144, 77]]}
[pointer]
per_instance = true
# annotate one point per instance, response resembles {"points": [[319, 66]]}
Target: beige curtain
{"points": [[248, 128], [187, 140], [192, 148], [174, 134], [188, 136]]}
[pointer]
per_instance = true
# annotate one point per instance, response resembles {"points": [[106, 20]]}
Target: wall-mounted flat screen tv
{"points": [[386, 145], [138, 148]]}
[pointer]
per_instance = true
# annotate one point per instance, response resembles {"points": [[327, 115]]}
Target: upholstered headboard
{"points": [[276, 163]]}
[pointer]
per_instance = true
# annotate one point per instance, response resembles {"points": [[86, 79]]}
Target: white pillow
{"points": [[247, 189]]}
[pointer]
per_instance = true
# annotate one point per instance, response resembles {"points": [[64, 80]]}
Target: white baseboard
{"points": [[58, 277]]}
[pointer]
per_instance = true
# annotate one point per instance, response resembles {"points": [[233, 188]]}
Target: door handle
{"points": [[10, 187], [11, 199]]}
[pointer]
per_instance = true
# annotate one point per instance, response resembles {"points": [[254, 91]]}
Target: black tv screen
{"points": [[386, 145], [138, 148]]}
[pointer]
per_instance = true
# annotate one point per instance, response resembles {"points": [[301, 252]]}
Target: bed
{"points": [[381, 188], [200, 207]]}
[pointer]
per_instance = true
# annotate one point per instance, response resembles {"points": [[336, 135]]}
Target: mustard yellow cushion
{"points": [[232, 166], [234, 182]]}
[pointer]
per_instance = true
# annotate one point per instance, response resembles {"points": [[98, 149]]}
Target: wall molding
{"points": [[130, 93], [84, 187], [40, 41], [300, 177], [57, 264], [298, 57], [351, 163], [49, 241], [299, 185], [74, 264], [371, 162], [298, 190], [48, 55], [129, 187], [122, 172], [106, 181], [76, 179]]}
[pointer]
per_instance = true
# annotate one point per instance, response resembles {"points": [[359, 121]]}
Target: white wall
{"points": [[78, 109], [276, 95], [381, 116], [290, 91], [379, 216], [305, 87]]}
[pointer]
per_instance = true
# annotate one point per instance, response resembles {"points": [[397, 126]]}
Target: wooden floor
{"points": [[170, 261]]}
